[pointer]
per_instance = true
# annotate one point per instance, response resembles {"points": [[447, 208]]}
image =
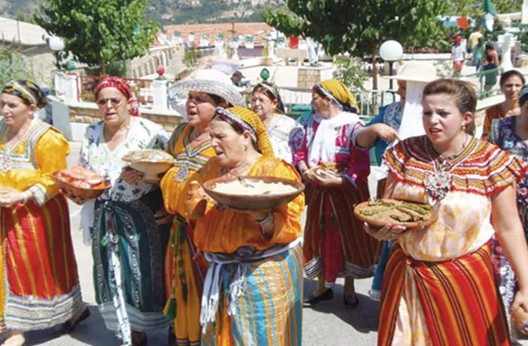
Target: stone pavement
{"points": [[330, 323]]}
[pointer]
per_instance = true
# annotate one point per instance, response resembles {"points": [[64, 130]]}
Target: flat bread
{"points": [[380, 212]]}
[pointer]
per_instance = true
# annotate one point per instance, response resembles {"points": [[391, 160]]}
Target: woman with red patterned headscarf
{"points": [[127, 245]]}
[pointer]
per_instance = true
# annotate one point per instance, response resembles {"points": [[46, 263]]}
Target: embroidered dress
{"points": [[439, 287], [40, 287], [127, 245], [503, 134], [258, 302], [334, 240], [279, 133], [184, 268]]}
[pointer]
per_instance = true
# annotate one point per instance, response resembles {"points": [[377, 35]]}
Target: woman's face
{"points": [[113, 106], [262, 104], [512, 87], [320, 104], [200, 108], [443, 122], [230, 147], [15, 111]]}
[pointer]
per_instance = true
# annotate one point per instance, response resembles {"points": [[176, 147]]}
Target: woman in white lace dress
{"points": [[267, 104]]}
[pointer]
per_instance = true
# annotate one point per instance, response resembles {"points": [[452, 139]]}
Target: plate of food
{"points": [[151, 162], [81, 183], [252, 193], [380, 212], [329, 168]]}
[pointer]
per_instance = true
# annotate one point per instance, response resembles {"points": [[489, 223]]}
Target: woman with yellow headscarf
{"points": [[335, 172], [253, 288]]}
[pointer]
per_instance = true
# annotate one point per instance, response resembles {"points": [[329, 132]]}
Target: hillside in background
{"points": [[169, 11]]}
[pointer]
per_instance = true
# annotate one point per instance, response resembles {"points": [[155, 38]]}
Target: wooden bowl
{"points": [[242, 198], [400, 210], [80, 192], [151, 162]]}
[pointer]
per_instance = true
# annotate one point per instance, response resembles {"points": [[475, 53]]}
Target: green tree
{"points": [[98, 32], [360, 26]]}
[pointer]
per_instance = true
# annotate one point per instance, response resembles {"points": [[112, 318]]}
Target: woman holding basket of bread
{"points": [[255, 256], [439, 287], [128, 245], [190, 144], [336, 175], [40, 285]]}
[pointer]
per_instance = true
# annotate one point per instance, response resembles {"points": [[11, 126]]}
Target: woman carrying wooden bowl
{"points": [[40, 284], [128, 246], [190, 144], [255, 256]]}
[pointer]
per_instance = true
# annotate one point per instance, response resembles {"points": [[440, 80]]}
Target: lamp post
{"points": [[391, 51], [56, 44]]}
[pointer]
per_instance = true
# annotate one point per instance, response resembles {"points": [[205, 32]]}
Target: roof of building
{"points": [[15, 31], [256, 30]]}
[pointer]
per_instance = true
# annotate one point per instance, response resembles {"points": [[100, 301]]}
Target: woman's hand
{"points": [[10, 197], [131, 176], [163, 217], [387, 232], [327, 179], [520, 302], [385, 132]]}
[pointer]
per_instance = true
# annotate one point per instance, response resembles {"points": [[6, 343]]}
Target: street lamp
{"points": [[56, 44], [391, 51]]}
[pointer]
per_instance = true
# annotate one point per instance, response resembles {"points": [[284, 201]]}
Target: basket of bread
{"points": [[79, 182], [151, 162], [252, 193], [381, 212]]}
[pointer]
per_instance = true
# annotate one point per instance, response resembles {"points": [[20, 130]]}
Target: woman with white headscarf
{"points": [[333, 241]]}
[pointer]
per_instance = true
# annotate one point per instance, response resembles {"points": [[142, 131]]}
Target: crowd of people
{"points": [[223, 276]]}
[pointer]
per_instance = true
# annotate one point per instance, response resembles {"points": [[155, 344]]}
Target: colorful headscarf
{"points": [[28, 91], [251, 122], [338, 93], [274, 92], [123, 86]]}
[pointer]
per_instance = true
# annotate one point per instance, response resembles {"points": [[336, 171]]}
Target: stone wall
{"points": [[171, 57], [308, 76]]}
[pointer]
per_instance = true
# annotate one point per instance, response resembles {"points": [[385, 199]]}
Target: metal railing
{"points": [[479, 78], [368, 101]]}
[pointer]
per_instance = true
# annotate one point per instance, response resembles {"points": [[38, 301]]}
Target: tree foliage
{"points": [[358, 26], [97, 32]]}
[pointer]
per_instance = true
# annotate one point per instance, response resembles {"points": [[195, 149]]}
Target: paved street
{"points": [[329, 324]]}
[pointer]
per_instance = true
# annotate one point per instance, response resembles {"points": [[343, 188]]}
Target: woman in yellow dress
{"points": [[253, 288], [191, 146], [40, 272]]}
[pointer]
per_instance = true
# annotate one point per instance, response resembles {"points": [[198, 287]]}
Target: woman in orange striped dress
{"points": [[40, 288], [439, 287]]}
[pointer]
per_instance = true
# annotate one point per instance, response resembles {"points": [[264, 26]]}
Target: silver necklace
{"points": [[439, 184]]}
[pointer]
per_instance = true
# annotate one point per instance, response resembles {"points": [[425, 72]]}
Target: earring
{"points": [[245, 147]]}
